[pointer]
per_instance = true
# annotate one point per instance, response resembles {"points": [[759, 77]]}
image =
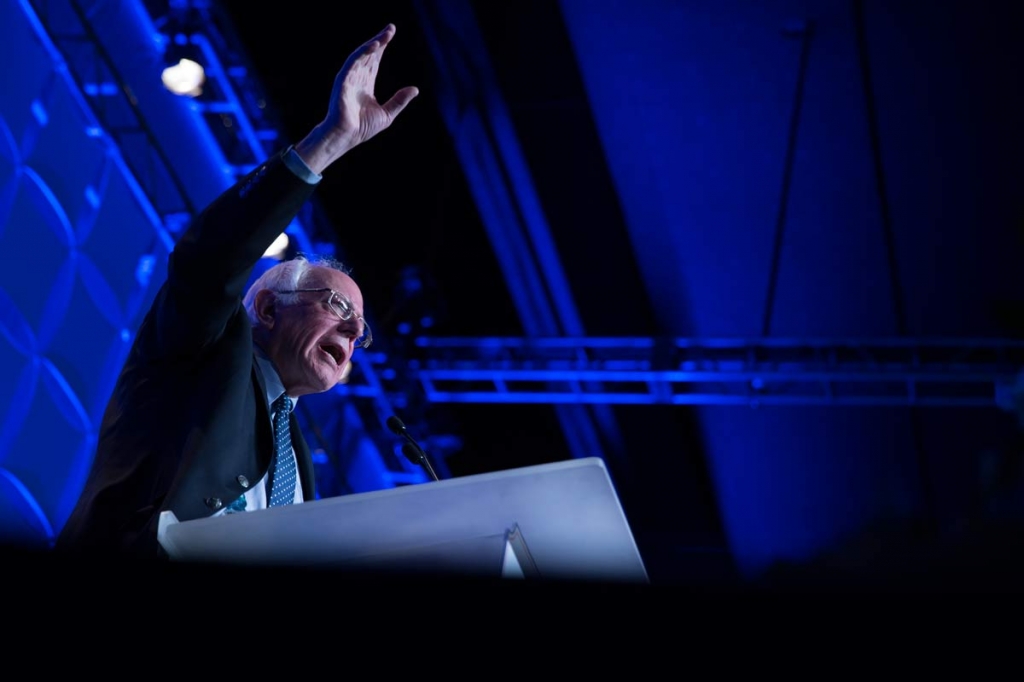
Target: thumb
{"points": [[399, 101]]}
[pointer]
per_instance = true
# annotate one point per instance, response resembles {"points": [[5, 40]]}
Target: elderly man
{"points": [[200, 419]]}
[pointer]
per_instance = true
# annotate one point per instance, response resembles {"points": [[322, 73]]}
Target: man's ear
{"points": [[265, 306]]}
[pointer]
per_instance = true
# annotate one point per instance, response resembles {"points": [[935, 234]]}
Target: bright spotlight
{"points": [[278, 248], [186, 77]]}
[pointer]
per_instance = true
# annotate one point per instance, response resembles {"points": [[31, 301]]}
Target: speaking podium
{"points": [[560, 521]]}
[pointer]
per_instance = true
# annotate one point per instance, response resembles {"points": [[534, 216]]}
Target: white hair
{"points": [[287, 276]]}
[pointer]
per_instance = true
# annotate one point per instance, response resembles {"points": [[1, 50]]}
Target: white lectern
{"points": [[558, 521]]}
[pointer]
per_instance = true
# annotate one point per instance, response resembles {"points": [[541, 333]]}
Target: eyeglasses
{"points": [[342, 307]]}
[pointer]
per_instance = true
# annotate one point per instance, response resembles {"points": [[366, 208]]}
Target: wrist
{"points": [[319, 149]]}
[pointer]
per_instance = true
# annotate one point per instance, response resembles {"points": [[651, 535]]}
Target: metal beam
{"points": [[720, 371], [485, 140]]}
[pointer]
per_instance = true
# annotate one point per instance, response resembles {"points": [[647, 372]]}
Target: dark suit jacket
{"points": [[187, 428]]}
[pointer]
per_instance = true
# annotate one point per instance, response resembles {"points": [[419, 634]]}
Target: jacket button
{"points": [[243, 481], [213, 502]]}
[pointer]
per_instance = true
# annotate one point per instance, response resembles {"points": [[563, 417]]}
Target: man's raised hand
{"points": [[354, 115]]}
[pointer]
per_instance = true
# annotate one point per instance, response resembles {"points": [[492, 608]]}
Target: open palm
{"points": [[354, 115]]}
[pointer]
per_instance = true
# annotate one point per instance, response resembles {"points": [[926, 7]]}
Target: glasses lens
{"points": [[345, 311], [341, 306]]}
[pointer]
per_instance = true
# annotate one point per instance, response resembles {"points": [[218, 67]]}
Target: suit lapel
{"points": [[303, 459], [266, 429]]}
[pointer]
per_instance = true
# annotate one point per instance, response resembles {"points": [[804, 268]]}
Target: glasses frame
{"points": [[338, 303]]}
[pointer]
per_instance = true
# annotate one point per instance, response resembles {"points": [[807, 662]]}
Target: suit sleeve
{"points": [[212, 261]]}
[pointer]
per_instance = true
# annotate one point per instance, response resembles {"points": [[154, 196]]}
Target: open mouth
{"points": [[334, 352]]}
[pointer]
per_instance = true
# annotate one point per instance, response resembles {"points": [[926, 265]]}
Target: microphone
{"points": [[411, 449]]}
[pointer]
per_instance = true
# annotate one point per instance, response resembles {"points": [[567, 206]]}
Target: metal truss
{"points": [[103, 86], [751, 372]]}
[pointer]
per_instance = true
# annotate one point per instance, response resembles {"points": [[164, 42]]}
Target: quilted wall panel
{"points": [[82, 254]]}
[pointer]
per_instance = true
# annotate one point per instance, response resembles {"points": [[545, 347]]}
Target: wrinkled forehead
{"points": [[327, 278]]}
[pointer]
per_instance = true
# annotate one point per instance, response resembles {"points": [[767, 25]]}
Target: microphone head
{"points": [[412, 453], [396, 425]]}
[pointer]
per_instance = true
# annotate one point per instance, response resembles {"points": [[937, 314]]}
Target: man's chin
{"points": [[317, 384], [339, 376], [326, 375]]}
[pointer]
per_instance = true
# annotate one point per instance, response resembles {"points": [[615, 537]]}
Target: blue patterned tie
{"points": [[282, 473]]}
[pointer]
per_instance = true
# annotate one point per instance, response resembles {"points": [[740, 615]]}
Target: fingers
{"points": [[371, 48], [381, 40], [385, 36]]}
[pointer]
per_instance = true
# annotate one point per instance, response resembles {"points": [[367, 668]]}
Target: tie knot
{"points": [[284, 403]]}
